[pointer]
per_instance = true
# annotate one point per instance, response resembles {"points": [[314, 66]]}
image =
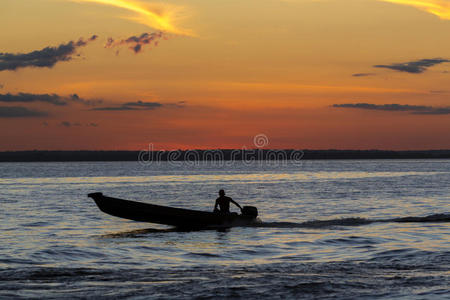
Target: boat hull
{"points": [[179, 217]]}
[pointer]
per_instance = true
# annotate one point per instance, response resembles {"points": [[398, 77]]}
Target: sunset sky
{"points": [[202, 74]]}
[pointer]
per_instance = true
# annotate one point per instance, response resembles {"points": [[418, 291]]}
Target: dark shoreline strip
{"points": [[216, 155]]}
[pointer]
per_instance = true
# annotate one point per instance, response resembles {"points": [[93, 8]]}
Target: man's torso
{"points": [[224, 203]]}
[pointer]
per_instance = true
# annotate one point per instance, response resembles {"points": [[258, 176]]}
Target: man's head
{"points": [[221, 193]]}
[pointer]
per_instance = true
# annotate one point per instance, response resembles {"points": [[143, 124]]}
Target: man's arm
{"points": [[235, 203]]}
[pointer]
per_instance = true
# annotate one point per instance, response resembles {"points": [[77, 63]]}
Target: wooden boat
{"points": [[179, 217]]}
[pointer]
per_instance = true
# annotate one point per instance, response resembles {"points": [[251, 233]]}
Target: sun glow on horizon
{"points": [[308, 74]]}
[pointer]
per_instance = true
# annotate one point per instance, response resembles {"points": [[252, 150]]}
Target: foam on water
{"points": [[435, 218]]}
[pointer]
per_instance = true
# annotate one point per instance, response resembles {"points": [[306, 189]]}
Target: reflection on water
{"points": [[139, 233], [211, 179]]}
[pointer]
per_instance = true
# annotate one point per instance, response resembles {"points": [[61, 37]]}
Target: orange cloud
{"points": [[159, 16], [440, 8]]}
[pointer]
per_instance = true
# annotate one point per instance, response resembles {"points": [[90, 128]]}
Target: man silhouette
{"points": [[224, 203]]}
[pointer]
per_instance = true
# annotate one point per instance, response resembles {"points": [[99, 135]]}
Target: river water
{"points": [[328, 229]]}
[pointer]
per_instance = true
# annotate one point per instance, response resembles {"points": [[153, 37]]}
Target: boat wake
{"points": [[435, 218], [315, 224]]}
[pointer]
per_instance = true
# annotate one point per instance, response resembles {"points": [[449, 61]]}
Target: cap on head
{"points": [[222, 193]]}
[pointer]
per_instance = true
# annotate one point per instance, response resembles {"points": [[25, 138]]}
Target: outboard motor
{"points": [[250, 211]]}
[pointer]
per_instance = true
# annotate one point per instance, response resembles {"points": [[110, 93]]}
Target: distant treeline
{"points": [[215, 155]]}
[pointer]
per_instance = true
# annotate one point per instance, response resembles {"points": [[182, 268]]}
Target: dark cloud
{"points": [[435, 111], [1, 86], [179, 104], [414, 109], [139, 105], [48, 98], [438, 92], [363, 74], [416, 67], [19, 112], [76, 98], [136, 43], [46, 57], [385, 107], [114, 108], [69, 124], [143, 105]]}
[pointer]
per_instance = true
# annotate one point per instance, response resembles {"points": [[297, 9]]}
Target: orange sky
{"points": [[213, 74]]}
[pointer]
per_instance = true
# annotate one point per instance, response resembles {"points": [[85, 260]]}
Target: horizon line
{"points": [[219, 149]]}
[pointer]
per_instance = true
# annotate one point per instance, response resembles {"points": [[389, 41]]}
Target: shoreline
{"points": [[216, 155]]}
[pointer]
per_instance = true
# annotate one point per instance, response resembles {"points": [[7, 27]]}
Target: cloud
{"points": [[139, 105], [19, 112], [138, 42], [363, 74], [414, 109], [416, 67], [435, 111], [48, 98], [69, 124], [386, 107], [77, 99], [113, 108], [143, 105], [438, 92], [46, 57], [160, 16], [440, 8]]}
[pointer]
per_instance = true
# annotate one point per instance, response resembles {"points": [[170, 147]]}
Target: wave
{"points": [[430, 218], [408, 274], [354, 221], [315, 223]]}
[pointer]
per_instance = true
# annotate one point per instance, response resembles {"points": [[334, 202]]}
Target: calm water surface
{"points": [[327, 230]]}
